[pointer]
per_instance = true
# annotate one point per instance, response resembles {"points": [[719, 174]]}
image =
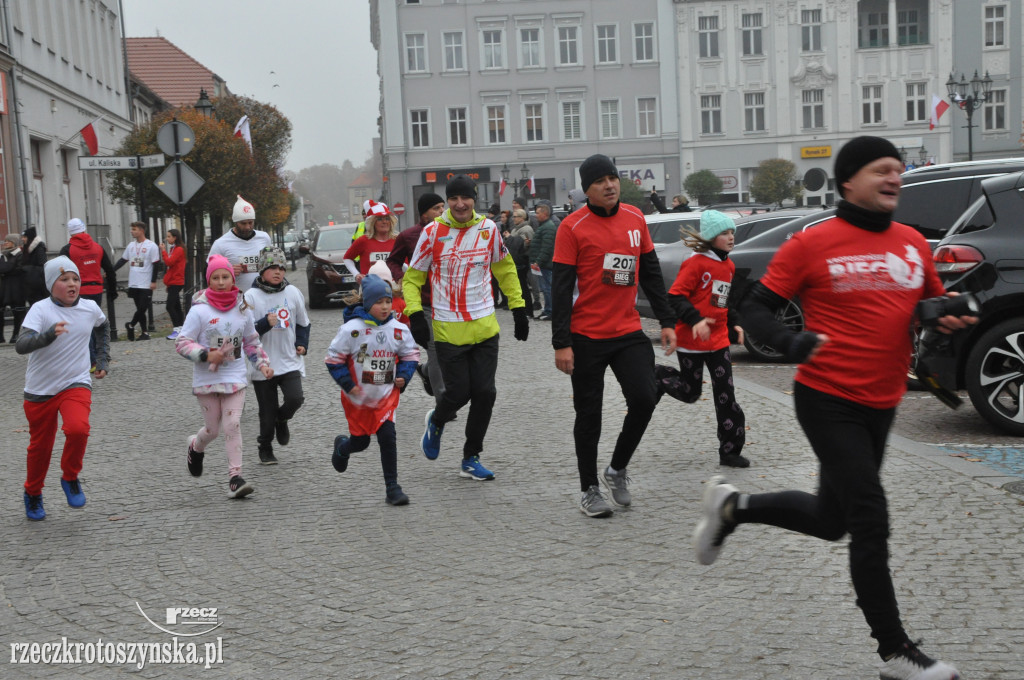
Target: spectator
{"points": [[173, 254], [542, 248], [518, 244], [33, 259], [679, 203], [13, 279]]}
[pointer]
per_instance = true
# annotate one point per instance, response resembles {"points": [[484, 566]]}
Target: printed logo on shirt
{"points": [[398, 334], [381, 338], [214, 320], [877, 271], [485, 234], [355, 334]]}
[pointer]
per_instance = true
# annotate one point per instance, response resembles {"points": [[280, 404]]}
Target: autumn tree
{"points": [[703, 186], [776, 181]]}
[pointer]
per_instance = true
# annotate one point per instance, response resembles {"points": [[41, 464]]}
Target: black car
{"points": [[983, 254]]}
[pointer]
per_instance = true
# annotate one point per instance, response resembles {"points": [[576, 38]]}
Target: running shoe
{"points": [[340, 458], [73, 490], [593, 503], [131, 331], [239, 488], [195, 459], [474, 469], [617, 483], [395, 495], [709, 536], [431, 442], [34, 507], [910, 663]]}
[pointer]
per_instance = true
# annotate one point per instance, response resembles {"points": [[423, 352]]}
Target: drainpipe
{"points": [[25, 199]]}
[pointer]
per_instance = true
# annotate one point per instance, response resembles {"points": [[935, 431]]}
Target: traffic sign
{"points": [[156, 160], [175, 138], [398, 208], [179, 182], [120, 162]]}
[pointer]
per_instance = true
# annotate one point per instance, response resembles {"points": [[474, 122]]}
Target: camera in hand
{"points": [[929, 311]]}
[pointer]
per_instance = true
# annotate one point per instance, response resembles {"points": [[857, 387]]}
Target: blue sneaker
{"points": [[73, 490], [340, 459], [474, 469], [431, 442], [34, 507]]}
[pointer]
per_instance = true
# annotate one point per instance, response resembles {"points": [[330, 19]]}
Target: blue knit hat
{"points": [[375, 288], [713, 223]]}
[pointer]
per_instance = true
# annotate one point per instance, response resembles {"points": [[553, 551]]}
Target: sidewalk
{"points": [[315, 576]]}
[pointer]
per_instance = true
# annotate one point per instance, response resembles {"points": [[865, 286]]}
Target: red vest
{"points": [[87, 256]]}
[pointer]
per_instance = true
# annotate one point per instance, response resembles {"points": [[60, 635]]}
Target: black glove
{"points": [[420, 329], [522, 331]]}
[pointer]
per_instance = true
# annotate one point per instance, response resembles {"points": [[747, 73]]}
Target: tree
{"points": [[776, 180], [630, 193], [326, 187], [703, 186]]}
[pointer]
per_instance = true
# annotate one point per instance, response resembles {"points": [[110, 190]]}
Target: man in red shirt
{"points": [[93, 266], [859, 277], [603, 250]]}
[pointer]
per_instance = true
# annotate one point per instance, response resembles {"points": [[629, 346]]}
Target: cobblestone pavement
{"points": [[315, 576]]}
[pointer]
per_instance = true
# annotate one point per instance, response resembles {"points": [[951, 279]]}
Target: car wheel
{"points": [[995, 376], [792, 316], [316, 300]]}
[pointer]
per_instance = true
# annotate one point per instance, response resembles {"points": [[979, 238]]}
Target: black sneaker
{"points": [[143, 336], [195, 459], [734, 460], [340, 458], [395, 495], [282, 433], [910, 663], [421, 371], [267, 456], [131, 331], [239, 488]]}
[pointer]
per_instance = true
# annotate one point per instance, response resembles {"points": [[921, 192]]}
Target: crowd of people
{"points": [[450, 270]]}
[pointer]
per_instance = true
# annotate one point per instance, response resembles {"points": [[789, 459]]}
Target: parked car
{"points": [[291, 243], [983, 253], [326, 273]]}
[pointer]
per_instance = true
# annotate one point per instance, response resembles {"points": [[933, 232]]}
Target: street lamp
{"points": [[204, 105], [981, 88], [516, 184], [922, 156]]}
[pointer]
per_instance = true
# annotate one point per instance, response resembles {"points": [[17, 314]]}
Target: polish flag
{"points": [[532, 185], [89, 137], [939, 106], [501, 187], [242, 130]]}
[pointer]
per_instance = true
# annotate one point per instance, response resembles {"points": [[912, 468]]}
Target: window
{"points": [[908, 28], [873, 28], [810, 30], [533, 117], [415, 53], [752, 24], [871, 106], [572, 121], [607, 50], [458, 130], [647, 116], [707, 34], [568, 45], [454, 57], [643, 42], [995, 110], [995, 26], [496, 124], [529, 47], [419, 121], [494, 49], [610, 119], [813, 109], [711, 114], [753, 112], [917, 104]]}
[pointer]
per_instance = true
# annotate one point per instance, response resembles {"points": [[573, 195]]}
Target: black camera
{"points": [[929, 311]]}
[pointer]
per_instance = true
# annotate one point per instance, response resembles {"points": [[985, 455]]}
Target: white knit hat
{"points": [[381, 269], [54, 268], [75, 226], [243, 211]]}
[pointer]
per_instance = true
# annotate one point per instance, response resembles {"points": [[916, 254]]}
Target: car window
{"points": [[334, 239], [669, 230], [978, 216], [932, 207], [753, 228]]}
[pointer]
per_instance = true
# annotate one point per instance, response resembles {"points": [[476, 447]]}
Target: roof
{"points": [[364, 180], [170, 73]]}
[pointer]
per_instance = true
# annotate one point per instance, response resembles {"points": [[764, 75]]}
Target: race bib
{"points": [[234, 340], [378, 371], [720, 293], [619, 270], [379, 257], [250, 263]]}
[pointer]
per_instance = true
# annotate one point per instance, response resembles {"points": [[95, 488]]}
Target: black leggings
{"points": [[174, 306], [388, 449], [849, 442], [270, 410], [631, 359], [142, 298], [468, 372]]}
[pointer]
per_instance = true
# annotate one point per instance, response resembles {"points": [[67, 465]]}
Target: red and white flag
{"points": [[501, 186], [532, 185], [242, 130], [89, 137], [939, 106]]}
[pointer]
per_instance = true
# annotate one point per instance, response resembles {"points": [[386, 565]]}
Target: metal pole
{"points": [[970, 128]]}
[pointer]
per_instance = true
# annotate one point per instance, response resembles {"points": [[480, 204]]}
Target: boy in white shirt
{"points": [[141, 255]]}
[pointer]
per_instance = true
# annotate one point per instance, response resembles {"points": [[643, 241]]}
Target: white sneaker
{"points": [[910, 663], [712, 529]]}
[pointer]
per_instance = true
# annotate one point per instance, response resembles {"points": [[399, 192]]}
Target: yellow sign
{"points": [[816, 152]]}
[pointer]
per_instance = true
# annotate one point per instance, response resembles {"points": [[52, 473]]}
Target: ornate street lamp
{"points": [[980, 91], [922, 157], [204, 105], [516, 184]]}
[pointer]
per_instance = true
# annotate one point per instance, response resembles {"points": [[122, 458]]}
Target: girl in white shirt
{"points": [[218, 329]]}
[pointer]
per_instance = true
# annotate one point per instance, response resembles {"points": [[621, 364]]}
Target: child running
{"points": [[372, 357], [218, 328], [700, 296], [55, 333], [281, 320]]}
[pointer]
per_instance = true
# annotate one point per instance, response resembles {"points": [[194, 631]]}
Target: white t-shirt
{"points": [[141, 258], [372, 354], [279, 341], [246, 253], [213, 328], [65, 361]]}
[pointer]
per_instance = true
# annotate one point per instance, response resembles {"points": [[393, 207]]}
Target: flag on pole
{"points": [[532, 186], [939, 107], [242, 130], [501, 186], [89, 137]]}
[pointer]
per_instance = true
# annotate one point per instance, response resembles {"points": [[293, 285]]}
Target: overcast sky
{"points": [[325, 67]]}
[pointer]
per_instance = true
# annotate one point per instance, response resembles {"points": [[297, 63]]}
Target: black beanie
{"points": [[426, 202], [857, 153], [460, 185], [596, 167]]}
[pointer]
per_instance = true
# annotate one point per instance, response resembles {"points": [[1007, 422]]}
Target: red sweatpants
{"points": [[74, 406]]}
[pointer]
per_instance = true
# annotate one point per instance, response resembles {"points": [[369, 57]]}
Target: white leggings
{"points": [[223, 410]]}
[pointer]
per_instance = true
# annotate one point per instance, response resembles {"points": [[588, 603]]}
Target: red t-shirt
{"points": [[860, 289], [705, 280], [605, 252], [369, 251]]}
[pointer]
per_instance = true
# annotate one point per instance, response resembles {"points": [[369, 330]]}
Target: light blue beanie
{"points": [[713, 223], [375, 288]]}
